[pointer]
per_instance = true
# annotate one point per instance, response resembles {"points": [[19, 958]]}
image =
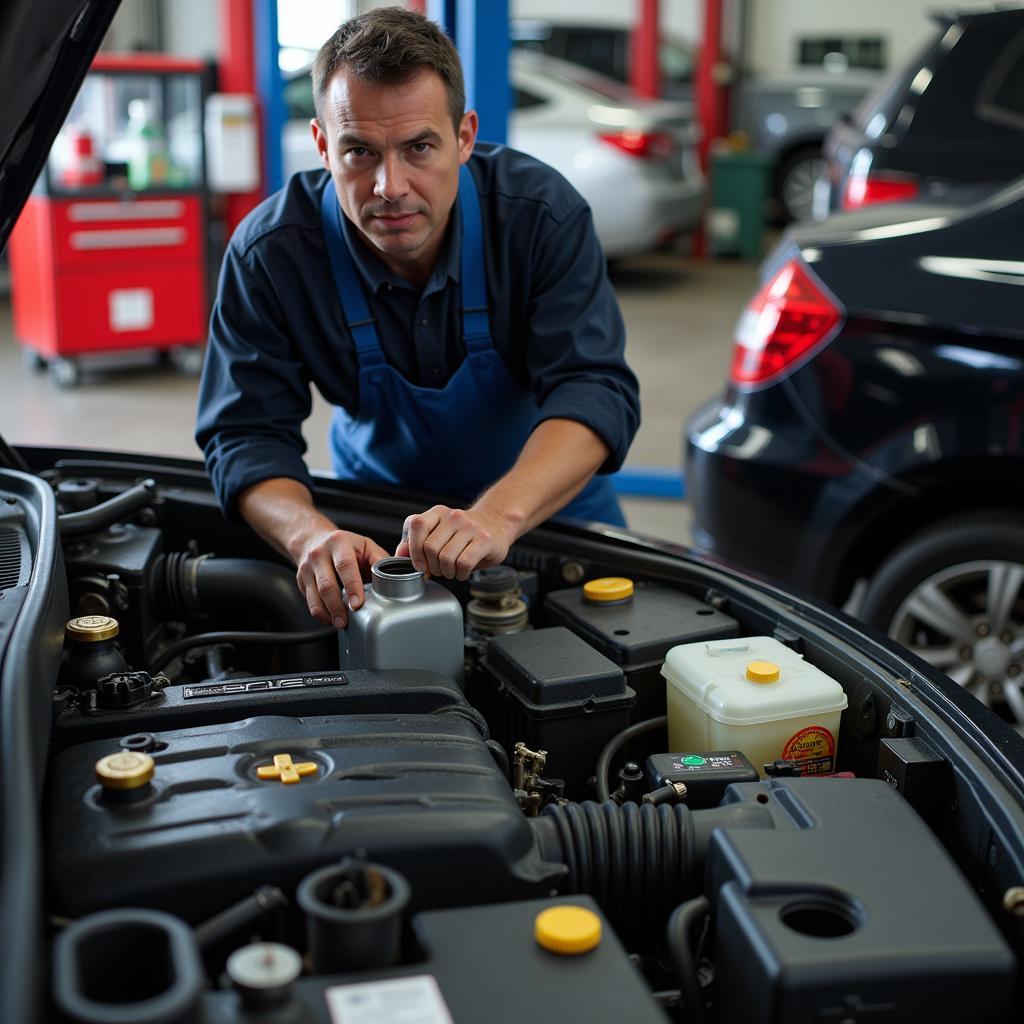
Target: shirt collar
{"points": [[377, 276]]}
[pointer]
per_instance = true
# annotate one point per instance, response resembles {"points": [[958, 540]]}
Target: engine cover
{"points": [[420, 793]]}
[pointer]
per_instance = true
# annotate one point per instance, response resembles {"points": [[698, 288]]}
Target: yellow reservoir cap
{"points": [[763, 672], [127, 769], [608, 588], [567, 929], [92, 628]]}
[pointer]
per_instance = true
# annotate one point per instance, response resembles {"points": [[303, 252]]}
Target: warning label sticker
{"points": [[814, 747], [414, 1000]]}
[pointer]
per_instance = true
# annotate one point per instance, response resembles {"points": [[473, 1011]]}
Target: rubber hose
{"points": [[164, 657], [636, 861], [263, 590], [615, 744], [106, 513], [680, 925]]}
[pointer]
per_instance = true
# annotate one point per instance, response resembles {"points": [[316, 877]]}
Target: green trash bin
{"points": [[739, 187]]}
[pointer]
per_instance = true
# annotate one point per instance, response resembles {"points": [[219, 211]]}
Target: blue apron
{"points": [[456, 440]]}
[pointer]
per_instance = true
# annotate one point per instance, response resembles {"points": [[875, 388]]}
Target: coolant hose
{"points": [[638, 861], [247, 588], [106, 513]]}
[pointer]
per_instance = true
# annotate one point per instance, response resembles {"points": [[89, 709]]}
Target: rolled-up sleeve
{"points": [[254, 394], [576, 351]]}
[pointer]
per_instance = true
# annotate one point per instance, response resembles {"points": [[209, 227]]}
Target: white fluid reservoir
{"points": [[755, 695]]}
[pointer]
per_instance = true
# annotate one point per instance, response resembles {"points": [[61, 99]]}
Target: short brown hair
{"points": [[388, 46]]}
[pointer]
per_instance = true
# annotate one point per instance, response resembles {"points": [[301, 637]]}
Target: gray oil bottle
{"points": [[405, 622]]}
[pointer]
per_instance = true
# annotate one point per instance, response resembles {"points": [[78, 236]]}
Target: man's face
{"points": [[394, 155]]}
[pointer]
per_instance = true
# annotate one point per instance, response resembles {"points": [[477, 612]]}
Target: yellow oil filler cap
{"points": [[763, 672], [127, 769], [567, 929], [92, 628], [608, 588]]}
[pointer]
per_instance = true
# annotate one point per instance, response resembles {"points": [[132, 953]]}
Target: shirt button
{"points": [[423, 323]]}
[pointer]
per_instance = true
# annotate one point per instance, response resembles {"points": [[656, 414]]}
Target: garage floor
{"points": [[679, 316]]}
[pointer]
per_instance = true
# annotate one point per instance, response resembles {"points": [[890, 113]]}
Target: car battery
{"points": [[552, 691], [706, 774], [636, 625]]}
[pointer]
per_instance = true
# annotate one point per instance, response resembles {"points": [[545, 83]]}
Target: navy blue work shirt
{"points": [[277, 325]]}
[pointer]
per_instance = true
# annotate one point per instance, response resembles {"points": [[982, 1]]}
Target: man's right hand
{"points": [[327, 558], [281, 511]]}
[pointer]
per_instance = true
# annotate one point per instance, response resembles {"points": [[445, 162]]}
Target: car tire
{"points": [[795, 182], [954, 594]]}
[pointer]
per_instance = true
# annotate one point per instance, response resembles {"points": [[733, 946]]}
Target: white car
{"points": [[634, 161]]}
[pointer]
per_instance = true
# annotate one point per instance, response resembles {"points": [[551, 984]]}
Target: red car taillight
{"points": [[877, 188], [783, 322], [656, 145]]}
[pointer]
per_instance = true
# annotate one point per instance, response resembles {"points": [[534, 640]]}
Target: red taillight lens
{"points": [[649, 145], [877, 188], [783, 322]]}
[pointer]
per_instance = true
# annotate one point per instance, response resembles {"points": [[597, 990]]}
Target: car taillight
{"points": [[650, 145], [863, 190], [783, 322]]}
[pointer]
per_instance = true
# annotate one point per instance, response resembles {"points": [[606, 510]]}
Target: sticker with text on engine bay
{"points": [[415, 1000], [814, 747]]}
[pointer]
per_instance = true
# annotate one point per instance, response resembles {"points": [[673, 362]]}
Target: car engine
{"points": [[245, 817]]}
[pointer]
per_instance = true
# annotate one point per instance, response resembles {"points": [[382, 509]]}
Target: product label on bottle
{"points": [[416, 1000], [814, 747]]}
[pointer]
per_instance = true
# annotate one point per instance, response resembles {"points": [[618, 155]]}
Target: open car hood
{"points": [[46, 47], [420, 846]]}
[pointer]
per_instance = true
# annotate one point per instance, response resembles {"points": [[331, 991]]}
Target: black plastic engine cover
{"points": [[420, 793], [849, 909]]}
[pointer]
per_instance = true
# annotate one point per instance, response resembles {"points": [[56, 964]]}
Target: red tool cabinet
{"points": [[109, 253]]}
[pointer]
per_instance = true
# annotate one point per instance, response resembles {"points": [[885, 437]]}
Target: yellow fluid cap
{"points": [[92, 628], [127, 769], [567, 929], [608, 588], [763, 672]]}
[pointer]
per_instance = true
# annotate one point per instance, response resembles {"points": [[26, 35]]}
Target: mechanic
{"points": [[451, 302]]}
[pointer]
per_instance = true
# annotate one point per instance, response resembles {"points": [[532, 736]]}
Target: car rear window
{"points": [[881, 107], [1002, 95]]}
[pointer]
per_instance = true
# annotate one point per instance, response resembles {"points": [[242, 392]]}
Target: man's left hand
{"points": [[452, 542]]}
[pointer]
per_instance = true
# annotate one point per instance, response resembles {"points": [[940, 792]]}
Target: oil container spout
{"points": [[397, 579]]}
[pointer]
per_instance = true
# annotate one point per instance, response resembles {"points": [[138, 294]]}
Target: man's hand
{"points": [[451, 542], [327, 557], [281, 511]]}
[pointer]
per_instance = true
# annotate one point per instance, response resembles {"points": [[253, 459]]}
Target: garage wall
{"points": [[189, 27], [774, 26], [680, 18]]}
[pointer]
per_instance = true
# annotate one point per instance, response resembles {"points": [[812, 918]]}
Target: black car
{"points": [[953, 114], [206, 817], [869, 447]]}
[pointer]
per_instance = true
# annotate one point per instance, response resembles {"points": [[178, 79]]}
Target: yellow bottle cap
{"points": [[127, 769], [92, 628], [567, 929], [608, 588], [763, 672]]}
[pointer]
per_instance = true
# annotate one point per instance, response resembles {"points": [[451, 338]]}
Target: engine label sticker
{"points": [[415, 1000], [814, 747], [241, 687]]}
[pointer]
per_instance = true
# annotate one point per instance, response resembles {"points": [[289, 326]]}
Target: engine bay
{"points": [[607, 780]]}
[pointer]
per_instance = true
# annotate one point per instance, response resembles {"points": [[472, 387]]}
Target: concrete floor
{"points": [[679, 315]]}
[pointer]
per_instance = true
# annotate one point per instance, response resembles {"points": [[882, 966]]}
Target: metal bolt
{"points": [[573, 572], [1013, 901], [983, 629], [1006, 637], [965, 653], [1014, 670]]}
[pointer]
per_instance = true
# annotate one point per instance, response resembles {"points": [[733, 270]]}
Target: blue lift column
{"points": [[270, 86], [480, 31]]}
